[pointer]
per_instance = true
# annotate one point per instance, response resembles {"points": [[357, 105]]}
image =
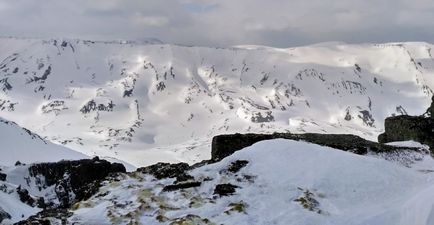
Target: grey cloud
{"points": [[281, 23]]}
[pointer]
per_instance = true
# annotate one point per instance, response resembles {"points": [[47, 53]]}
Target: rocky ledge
{"points": [[73, 181], [225, 145]]}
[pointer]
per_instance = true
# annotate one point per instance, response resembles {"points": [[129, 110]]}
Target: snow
{"points": [[412, 144], [19, 145], [349, 189], [180, 97], [16, 209]]}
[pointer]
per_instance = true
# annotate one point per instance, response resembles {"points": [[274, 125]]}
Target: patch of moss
{"points": [[239, 207], [308, 201], [82, 204], [196, 202], [136, 175], [161, 218], [191, 220], [114, 218]]}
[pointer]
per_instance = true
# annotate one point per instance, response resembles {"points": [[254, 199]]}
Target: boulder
{"points": [[225, 189], [183, 185], [416, 128], [3, 177], [81, 178], [237, 165], [404, 128]]}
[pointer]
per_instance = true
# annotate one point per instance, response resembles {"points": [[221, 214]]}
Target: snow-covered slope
{"points": [[282, 182], [19, 144], [157, 102]]}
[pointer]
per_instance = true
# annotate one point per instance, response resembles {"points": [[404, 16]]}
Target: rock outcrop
{"points": [[403, 128], [225, 145], [416, 128], [2, 176], [80, 178]]}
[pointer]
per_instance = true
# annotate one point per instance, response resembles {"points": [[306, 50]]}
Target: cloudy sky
{"points": [[279, 23]]}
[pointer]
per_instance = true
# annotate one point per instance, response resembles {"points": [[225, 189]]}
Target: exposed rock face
{"points": [[225, 145], [79, 178]]}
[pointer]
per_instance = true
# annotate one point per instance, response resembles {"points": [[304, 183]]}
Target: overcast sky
{"points": [[279, 23]]}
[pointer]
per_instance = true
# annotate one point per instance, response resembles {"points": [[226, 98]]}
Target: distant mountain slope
{"points": [[144, 103], [19, 144]]}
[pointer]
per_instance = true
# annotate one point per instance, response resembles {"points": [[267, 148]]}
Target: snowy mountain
{"points": [[149, 102], [20, 144]]}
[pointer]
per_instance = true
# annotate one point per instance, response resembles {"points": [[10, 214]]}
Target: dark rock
{"points": [[416, 128], [91, 106], [81, 177], [4, 215], [64, 44], [43, 218], [5, 85], [184, 185], [225, 145], [225, 189], [166, 170], [3, 177], [404, 128], [42, 78], [183, 177], [367, 118], [430, 110], [257, 117], [40, 203], [25, 196], [236, 166], [18, 163], [128, 93], [200, 164]]}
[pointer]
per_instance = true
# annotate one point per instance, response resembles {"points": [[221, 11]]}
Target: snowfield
{"points": [[337, 187], [144, 103]]}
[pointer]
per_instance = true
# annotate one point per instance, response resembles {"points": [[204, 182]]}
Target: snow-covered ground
{"points": [[285, 182], [144, 103]]}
